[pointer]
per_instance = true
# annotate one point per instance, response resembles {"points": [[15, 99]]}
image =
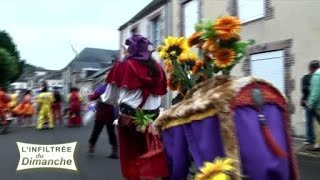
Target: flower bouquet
{"points": [[220, 49]]}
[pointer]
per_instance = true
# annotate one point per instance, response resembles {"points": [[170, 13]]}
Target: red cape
{"points": [[132, 74]]}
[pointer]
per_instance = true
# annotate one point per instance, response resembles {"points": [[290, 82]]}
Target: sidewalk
{"points": [[301, 149]]}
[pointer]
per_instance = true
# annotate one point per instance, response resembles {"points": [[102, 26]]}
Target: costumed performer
{"points": [[136, 82]]}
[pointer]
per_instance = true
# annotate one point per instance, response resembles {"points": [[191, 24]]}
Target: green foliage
{"points": [[7, 43], [208, 29], [142, 119], [8, 67], [10, 53]]}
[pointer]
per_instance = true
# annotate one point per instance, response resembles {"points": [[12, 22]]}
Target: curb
{"points": [[307, 155]]}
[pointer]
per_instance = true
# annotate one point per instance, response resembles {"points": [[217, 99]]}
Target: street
{"points": [[96, 167]]}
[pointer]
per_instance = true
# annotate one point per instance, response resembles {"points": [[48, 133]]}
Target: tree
{"points": [[8, 67], [9, 52]]}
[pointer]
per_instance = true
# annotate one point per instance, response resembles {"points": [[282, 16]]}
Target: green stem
{"points": [[182, 73]]}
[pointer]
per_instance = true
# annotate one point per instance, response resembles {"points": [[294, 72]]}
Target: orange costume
{"points": [[4, 100], [25, 108]]}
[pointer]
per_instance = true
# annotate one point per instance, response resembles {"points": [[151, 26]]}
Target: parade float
{"points": [[230, 127]]}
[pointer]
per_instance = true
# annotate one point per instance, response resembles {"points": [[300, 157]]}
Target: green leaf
{"points": [[142, 119], [198, 27]]}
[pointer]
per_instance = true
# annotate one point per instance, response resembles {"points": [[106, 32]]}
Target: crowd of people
{"points": [[47, 105]]}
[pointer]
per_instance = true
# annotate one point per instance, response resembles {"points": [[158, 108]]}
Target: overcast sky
{"points": [[44, 29]]}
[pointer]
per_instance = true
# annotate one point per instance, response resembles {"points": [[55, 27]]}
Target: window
{"points": [[269, 66], [190, 16], [249, 10], [155, 31], [134, 30]]}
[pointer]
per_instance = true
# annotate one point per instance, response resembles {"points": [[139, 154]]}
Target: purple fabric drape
{"points": [[202, 140], [259, 163], [176, 148]]}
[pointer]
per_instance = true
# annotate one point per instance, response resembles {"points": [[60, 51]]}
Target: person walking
{"points": [[105, 115], [56, 107], [314, 100], [44, 101], [138, 82], [4, 111], [74, 99], [309, 115], [25, 109]]}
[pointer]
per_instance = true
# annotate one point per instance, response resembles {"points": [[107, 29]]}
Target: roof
{"points": [[93, 58], [98, 74], [155, 4]]}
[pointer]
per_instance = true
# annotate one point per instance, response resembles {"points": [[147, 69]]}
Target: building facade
{"points": [[285, 32]]}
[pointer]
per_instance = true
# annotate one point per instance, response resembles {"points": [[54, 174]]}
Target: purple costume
{"points": [[224, 123]]}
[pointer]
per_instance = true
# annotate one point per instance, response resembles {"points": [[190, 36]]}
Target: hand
{"points": [[116, 122]]}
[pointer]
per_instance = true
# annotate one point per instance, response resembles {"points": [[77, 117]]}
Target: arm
{"points": [[97, 92], [314, 91], [68, 98], [111, 95], [94, 96]]}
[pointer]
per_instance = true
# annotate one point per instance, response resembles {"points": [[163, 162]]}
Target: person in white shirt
{"points": [[138, 82]]}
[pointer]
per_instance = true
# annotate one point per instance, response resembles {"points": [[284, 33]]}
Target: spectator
{"points": [[305, 89], [314, 99]]}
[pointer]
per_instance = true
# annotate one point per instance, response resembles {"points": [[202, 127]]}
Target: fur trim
{"points": [[209, 96]]}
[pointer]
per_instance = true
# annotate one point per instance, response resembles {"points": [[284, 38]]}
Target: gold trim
{"points": [[195, 117]]}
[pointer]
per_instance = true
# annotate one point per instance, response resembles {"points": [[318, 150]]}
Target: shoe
{"points": [[313, 149], [113, 156], [308, 142], [91, 149]]}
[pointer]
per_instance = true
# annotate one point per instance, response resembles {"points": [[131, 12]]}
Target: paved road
{"points": [[95, 167]]}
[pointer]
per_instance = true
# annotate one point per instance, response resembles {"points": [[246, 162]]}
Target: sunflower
{"points": [[224, 58], [173, 47], [187, 57], [197, 66], [194, 38], [227, 27], [209, 45], [216, 170]]}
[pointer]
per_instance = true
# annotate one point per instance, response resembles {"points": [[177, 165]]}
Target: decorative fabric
{"points": [[132, 75], [231, 107]]}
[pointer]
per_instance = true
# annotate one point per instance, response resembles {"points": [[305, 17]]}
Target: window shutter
{"points": [[249, 10], [269, 66], [191, 16]]}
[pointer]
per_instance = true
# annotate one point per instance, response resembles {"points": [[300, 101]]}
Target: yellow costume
{"points": [[14, 100], [45, 100]]}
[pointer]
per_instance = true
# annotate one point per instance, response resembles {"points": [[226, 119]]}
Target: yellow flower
{"points": [[227, 27], [224, 58], [216, 170], [188, 56], [173, 47]]}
